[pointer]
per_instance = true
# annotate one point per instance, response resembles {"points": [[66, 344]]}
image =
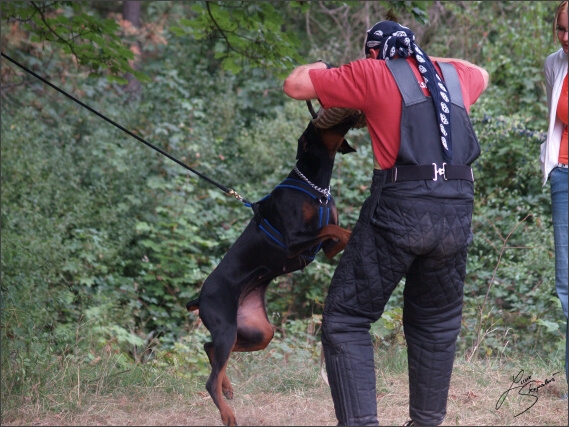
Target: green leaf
{"points": [[178, 31], [551, 326]]}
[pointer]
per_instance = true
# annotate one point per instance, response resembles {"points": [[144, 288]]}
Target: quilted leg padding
{"points": [[361, 286], [424, 240], [347, 316], [431, 337], [351, 374], [431, 319]]}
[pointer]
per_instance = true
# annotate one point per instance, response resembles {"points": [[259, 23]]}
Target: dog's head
{"points": [[337, 121]]}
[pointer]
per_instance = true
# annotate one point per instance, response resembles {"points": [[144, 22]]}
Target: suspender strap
{"points": [[406, 81], [412, 94], [453, 84], [410, 90]]}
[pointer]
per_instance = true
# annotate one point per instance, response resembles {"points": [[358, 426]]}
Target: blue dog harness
{"points": [[323, 214]]}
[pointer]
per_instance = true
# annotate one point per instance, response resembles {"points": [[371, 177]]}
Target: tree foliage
{"points": [[92, 41], [245, 34]]}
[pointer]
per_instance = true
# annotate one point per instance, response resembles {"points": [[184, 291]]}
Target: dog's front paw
{"points": [[228, 394]]}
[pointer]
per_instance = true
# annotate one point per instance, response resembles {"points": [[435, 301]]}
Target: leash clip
{"points": [[233, 193], [440, 171]]}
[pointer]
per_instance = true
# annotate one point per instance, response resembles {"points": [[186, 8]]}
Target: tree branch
{"points": [[61, 39]]}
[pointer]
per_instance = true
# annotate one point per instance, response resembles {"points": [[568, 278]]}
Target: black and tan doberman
{"points": [[290, 225]]}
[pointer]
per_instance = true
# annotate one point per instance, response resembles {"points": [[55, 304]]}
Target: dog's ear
{"points": [[346, 148]]}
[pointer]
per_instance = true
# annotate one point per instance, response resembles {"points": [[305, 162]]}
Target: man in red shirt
{"points": [[416, 223]]}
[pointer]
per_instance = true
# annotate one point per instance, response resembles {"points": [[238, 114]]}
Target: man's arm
{"points": [[298, 84], [485, 74]]}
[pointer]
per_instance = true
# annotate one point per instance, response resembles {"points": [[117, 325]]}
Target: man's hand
{"points": [[485, 74]]}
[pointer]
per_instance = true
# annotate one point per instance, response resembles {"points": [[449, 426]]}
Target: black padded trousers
{"points": [[425, 241]]}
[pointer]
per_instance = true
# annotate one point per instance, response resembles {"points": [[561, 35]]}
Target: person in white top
{"points": [[554, 154]]}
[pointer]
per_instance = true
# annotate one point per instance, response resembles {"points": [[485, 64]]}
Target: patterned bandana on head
{"points": [[392, 39]]}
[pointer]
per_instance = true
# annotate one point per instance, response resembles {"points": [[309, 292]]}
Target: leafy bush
{"points": [[510, 273]]}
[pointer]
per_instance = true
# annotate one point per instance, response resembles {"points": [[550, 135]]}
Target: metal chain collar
{"points": [[323, 191]]}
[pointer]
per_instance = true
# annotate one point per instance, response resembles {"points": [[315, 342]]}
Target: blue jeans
{"points": [[558, 179]]}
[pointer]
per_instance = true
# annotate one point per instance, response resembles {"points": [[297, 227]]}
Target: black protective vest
{"points": [[420, 139]]}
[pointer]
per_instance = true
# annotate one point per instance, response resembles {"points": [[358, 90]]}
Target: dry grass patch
{"points": [[295, 395], [477, 387]]}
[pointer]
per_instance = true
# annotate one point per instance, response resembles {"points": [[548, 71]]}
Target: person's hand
{"points": [[328, 65]]}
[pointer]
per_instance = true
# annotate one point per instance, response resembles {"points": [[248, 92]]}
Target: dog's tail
{"points": [[193, 304]]}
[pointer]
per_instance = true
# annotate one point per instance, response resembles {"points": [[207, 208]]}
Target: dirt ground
{"points": [[470, 403]]}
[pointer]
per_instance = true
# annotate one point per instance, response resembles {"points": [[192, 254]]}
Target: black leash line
{"points": [[226, 190]]}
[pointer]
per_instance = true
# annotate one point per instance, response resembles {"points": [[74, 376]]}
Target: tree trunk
{"points": [[131, 13]]}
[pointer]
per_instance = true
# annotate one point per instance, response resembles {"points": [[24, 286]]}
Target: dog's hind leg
{"points": [[226, 386], [208, 347], [218, 382]]}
